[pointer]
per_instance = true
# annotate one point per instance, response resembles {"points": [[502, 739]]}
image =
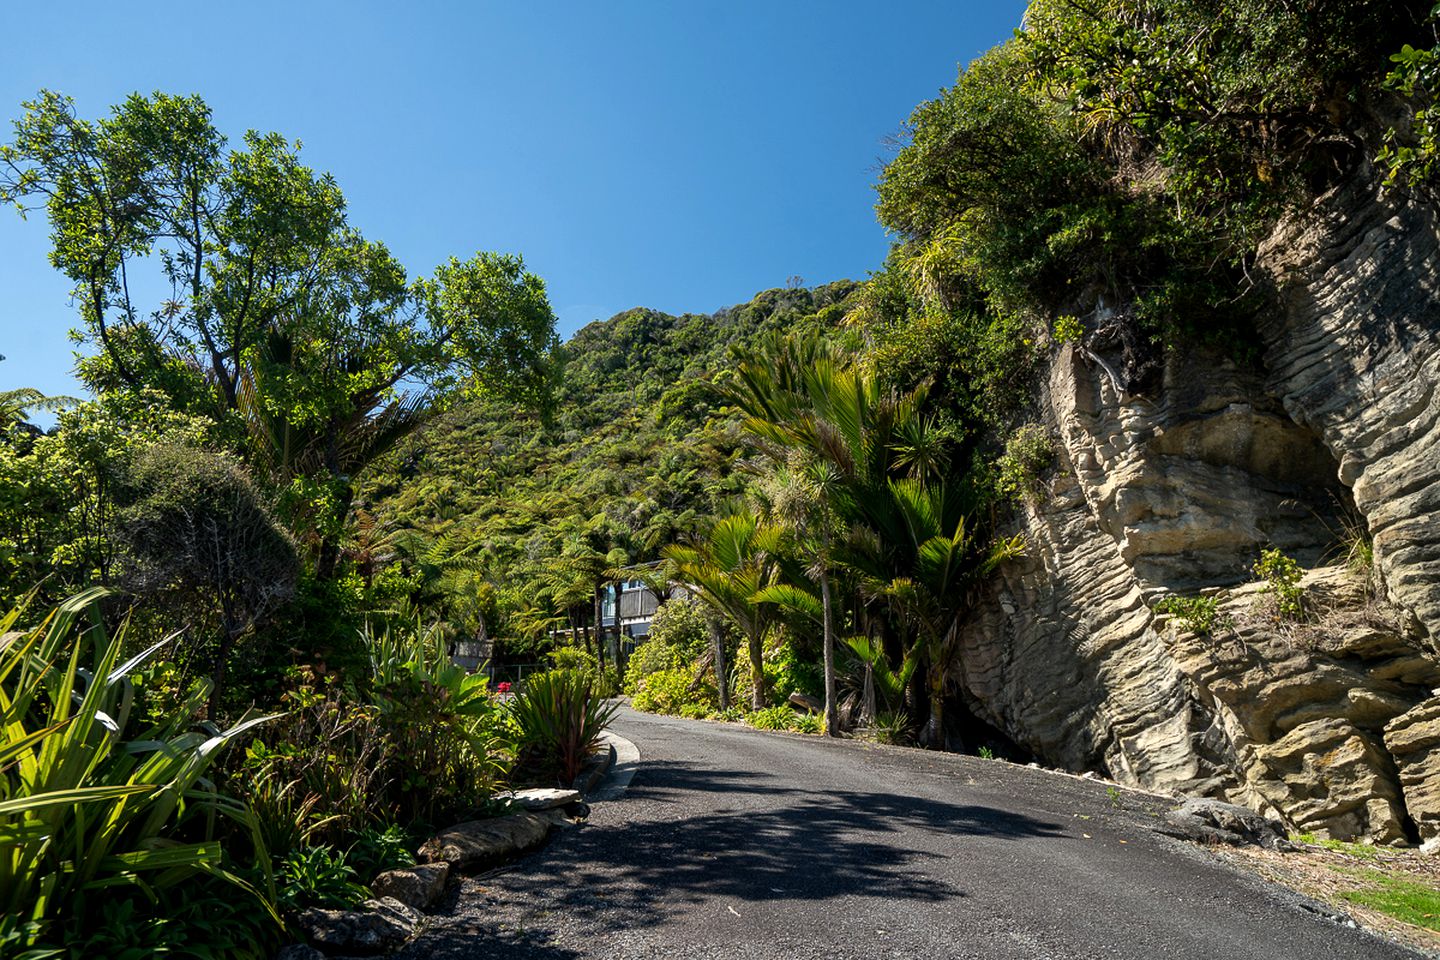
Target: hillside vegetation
{"points": [[235, 577]]}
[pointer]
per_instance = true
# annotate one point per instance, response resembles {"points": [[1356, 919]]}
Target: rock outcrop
{"points": [[1330, 725]]}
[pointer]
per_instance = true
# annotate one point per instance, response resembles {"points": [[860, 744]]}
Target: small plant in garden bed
{"points": [[891, 727], [773, 718], [317, 876], [558, 719]]}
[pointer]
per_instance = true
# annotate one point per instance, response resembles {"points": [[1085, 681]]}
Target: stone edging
{"points": [[595, 768], [626, 760]]}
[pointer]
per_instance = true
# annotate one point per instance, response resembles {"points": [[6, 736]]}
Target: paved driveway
{"points": [[734, 844]]}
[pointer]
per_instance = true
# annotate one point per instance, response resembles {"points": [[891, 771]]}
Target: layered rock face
{"points": [[1329, 724]]}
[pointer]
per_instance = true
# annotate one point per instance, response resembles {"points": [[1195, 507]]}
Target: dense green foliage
{"points": [[210, 486], [639, 454], [102, 804], [327, 474]]}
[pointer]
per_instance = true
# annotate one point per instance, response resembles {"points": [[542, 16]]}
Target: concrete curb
{"points": [[595, 768], [622, 770]]}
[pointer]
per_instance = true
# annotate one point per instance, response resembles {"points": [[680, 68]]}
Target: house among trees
{"points": [[639, 599]]}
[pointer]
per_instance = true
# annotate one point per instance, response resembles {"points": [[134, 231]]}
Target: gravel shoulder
{"points": [[734, 843]]}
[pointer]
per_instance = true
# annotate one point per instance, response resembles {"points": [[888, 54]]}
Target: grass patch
{"points": [[1361, 850], [1405, 900]]}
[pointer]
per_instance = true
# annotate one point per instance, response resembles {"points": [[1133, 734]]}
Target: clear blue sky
{"points": [[674, 155]]}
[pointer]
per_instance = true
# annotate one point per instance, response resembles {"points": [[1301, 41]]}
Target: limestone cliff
{"points": [[1332, 723]]}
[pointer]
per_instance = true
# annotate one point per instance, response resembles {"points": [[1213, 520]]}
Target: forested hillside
{"points": [[637, 453]]}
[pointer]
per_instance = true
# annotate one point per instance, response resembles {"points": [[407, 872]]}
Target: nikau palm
{"points": [[875, 470], [730, 568]]}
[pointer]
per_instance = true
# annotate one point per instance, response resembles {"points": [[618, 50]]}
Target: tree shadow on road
{"points": [[752, 838]]}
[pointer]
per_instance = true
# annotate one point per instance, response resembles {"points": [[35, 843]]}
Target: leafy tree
{"points": [[276, 311], [929, 559], [852, 457], [58, 491], [191, 521]]}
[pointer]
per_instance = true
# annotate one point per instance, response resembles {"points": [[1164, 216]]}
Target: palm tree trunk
{"points": [[600, 628], [722, 674], [832, 718], [619, 629], [935, 729], [757, 671]]}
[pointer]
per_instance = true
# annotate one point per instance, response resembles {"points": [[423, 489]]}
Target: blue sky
{"points": [[674, 155]]}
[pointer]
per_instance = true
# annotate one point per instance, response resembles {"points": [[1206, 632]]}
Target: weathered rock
{"points": [[1175, 485], [489, 841], [541, 798], [418, 886], [806, 702], [1413, 739], [1211, 821], [299, 951], [378, 927], [1355, 356], [1332, 779]]}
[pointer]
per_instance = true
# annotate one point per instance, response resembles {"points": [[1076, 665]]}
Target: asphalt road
{"points": [[732, 843]]}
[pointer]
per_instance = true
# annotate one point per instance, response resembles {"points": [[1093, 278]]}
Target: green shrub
{"points": [[99, 803], [196, 532], [1028, 452], [201, 919], [606, 683], [773, 718], [891, 727], [1282, 581], [317, 774], [422, 742], [787, 671], [376, 850], [573, 658], [559, 719], [811, 723], [1067, 329], [683, 625], [318, 876], [1196, 614], [649, 657], [668, 691]]}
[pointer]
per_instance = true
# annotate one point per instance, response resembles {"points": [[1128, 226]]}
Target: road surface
{"points": [[733, 844]]}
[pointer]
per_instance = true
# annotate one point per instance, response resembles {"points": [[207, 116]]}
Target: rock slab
{"points": [[1211, 821], [418, 886], [378, 927], [478, 842], [542, 798]]}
